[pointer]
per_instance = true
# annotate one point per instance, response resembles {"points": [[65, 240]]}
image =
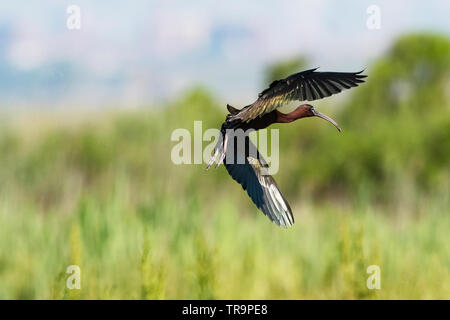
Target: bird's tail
{"points": [[232, 110]]}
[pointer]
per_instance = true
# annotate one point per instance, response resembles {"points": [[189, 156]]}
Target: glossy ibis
{"points": [[307, 85]]}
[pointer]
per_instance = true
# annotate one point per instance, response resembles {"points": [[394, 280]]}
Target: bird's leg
{"points": [[213, 157], [219, 146], [224, 150]]}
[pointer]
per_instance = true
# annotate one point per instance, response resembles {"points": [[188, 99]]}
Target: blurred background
{"points": [[86, 177]]}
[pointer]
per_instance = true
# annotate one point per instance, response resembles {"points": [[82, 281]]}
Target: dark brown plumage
{"points": [[307, 85], [240, 156]]}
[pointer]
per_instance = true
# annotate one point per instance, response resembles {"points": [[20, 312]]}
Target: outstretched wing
{"points": [[261, 187], [307, 85]]}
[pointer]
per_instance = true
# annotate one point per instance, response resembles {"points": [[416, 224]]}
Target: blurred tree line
{"points": [[104, 194], [395, 145], [396, 138]]}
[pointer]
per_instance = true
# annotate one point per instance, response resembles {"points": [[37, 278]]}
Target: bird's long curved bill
{"points": [[327, 118]]}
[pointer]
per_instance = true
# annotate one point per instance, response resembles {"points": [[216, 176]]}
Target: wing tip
{"points": [[275, 206], [359, 75], [310, 70]]}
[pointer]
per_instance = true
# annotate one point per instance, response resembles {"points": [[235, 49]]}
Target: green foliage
{"points": [[395, 127], [104, 194]]}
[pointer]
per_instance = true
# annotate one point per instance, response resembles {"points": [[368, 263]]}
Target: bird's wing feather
{"points": [[307, 85], [261, 188]]}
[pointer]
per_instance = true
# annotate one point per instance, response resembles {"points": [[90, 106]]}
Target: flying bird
{"points": [[240, 156]]}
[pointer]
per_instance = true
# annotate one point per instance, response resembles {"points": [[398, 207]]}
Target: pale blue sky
{"points": [[135, 52]]}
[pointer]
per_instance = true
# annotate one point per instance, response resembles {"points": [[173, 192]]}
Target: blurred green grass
{"points": [[101, 192]]}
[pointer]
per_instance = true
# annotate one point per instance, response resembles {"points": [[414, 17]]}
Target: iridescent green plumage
{"points": [[307, 85]]}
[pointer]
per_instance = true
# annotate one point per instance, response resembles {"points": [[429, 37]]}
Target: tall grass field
{"points": [[99, 191]]}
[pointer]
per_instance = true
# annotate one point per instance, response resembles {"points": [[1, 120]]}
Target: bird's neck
{"points": [[289, 117]]}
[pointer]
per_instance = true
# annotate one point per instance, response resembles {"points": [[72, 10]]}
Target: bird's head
{"points": [[307, 110]]}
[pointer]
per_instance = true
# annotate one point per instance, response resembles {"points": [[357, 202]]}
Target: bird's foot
{"points": [[213, 158], [224, 151]]}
